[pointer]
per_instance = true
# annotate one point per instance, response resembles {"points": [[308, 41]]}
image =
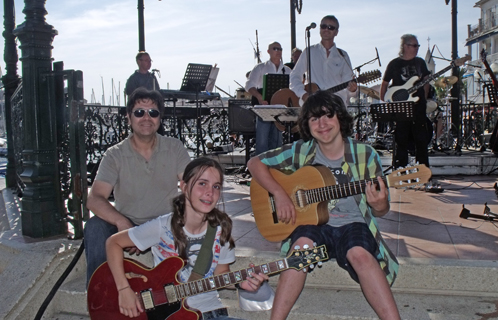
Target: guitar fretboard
{"points": [[188, 289], [339, 191]]}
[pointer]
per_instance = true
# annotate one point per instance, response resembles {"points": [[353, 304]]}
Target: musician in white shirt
{"points": [[330, 66], [267, 135]]}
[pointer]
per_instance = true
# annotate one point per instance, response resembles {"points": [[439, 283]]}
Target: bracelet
{"points": [[123, 288]]}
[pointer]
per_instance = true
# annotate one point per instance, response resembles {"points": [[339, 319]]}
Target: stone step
{"points": [[425, 289]]}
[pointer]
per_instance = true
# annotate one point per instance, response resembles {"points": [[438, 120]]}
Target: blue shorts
{"points": [[338, 241]]}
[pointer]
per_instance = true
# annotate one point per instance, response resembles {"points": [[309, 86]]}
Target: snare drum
{"points": [[431, 104]]}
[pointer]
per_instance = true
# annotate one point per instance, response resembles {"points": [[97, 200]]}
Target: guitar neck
{"points": [[340, 190], [184, 290], [339, 87], [430, 78]]}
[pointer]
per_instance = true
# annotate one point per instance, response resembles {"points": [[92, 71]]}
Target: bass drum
{"points": [[431, 104]]}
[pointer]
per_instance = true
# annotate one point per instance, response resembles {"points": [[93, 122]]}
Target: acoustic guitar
{"points": [[310, 188], [407, 91], [288, 98], [162, 296]]}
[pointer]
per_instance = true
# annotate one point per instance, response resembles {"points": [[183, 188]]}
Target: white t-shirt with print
{"points": [[156, 234]]}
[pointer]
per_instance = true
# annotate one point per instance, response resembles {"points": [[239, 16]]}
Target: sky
{"points": [[100, 38]]}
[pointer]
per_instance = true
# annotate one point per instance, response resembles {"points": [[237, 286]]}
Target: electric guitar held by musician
{"points": [[406, 92], [162, 296], [310, 188]]}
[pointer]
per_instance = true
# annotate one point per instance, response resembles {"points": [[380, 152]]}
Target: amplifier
{"points": [[240, 117]]}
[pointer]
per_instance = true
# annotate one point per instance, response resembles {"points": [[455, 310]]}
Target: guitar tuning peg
{"points": [[312, 266], [306, 246], [314, 244], [320, 264], [305, 270], [297, 247]]}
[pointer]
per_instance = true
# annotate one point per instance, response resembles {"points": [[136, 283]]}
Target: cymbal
{"points": [[370, 92], [446, 81]]}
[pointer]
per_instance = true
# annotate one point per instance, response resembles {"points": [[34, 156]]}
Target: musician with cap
{"points": [[267, 135], [398, 72]]}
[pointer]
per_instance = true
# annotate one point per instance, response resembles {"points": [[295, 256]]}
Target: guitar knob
{"points": [[314, 244], [312, 266], [305, 270], [306, 246], [320, 264], [297, 247]]}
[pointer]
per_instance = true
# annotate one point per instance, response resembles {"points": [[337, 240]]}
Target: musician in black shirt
{"points": [[399, 72]]}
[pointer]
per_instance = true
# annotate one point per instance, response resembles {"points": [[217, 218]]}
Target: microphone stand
{"points": [[308, 36]]}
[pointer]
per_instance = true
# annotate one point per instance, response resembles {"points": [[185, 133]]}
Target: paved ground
{"points": [[419, 225]]}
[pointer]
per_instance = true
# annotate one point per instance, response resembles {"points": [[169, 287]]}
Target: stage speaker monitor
{"points": [[240, 118]]}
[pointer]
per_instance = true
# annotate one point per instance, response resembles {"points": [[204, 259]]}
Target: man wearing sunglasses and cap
{"points": [[143, 172], [330, 66], [267, 135]]}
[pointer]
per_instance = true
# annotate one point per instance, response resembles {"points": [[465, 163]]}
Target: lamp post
{"points": [[141, 26], [295, 5]]}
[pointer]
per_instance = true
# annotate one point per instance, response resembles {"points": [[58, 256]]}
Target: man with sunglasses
{"points": [[143, 172], [399, 71], [142, 77], [267, 135], [330, 66]]}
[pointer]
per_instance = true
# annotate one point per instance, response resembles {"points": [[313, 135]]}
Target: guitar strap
{"points": [[204, 257]]}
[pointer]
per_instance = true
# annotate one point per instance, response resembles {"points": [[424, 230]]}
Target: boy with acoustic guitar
{"points": [[351, 234]]}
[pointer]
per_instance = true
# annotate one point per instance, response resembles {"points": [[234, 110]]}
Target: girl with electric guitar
{"points": [[194, 221]]}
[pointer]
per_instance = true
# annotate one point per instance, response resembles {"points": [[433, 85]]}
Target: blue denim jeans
{"points": [[95, 234], [268, 137]]}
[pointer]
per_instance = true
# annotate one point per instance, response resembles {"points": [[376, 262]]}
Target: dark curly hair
{"points": [[192, 173], [321, 103]]}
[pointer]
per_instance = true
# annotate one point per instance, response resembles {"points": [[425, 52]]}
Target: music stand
{"points": [[280, 113], [272, 82], [392, 111], [195, 80]]}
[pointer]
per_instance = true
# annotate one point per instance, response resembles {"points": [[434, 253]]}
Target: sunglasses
{"points": [[413, 45], [139, 113], [327, 26], [277, 49]]}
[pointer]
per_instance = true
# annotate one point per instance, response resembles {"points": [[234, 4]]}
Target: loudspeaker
{"points": [[240, 118]]}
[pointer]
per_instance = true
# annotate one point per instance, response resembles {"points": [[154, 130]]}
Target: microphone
{"points": [[158, 72], [311, 26], [378, 59]]}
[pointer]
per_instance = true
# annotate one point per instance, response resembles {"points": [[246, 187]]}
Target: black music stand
{"points": [[392, 111], [280, 113], [272, 82], [195, 80]]}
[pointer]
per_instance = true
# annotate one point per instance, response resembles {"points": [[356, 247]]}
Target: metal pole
{"points": [[293, 23], [10, 81], [455, 90], [141, 28]]}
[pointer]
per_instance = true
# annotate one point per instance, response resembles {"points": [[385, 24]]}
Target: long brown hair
{"points": [[192, 173]]}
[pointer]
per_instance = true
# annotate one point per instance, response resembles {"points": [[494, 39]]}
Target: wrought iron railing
{"points": [[18, 134]]}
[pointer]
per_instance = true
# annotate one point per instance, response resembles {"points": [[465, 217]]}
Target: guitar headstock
{"points": [[299, 259], [410, 176], [461, 61], [369, 76]]}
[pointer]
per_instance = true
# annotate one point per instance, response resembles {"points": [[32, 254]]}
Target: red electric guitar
{"points": [[161, 294]]}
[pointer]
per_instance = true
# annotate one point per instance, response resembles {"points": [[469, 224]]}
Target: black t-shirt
{"points": [[399, 71]]}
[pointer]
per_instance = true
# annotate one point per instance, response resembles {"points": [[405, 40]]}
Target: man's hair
{"points": [[404, 40], [143, 94], [271, 44], [296, 50], [141, 54], [324, 103], [333, 18]]}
